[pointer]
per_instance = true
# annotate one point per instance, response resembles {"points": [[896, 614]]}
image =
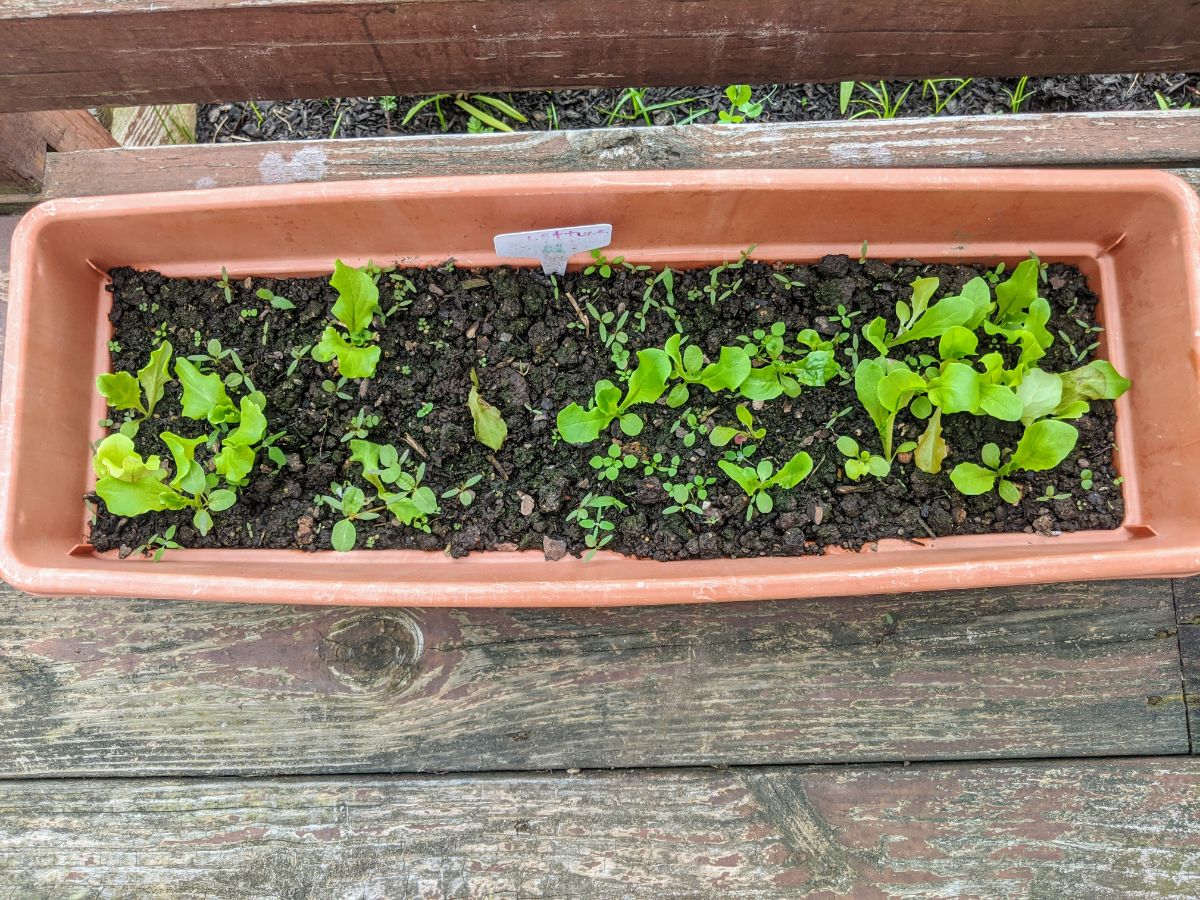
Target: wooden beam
{"points": [[1095, 828], [73, 53], [151, 126], [25, 138], [1187, 611], [119, 687], [1052, 139]]}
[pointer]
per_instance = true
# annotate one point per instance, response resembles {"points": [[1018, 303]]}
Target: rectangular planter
{"points": [[1136, 234]]}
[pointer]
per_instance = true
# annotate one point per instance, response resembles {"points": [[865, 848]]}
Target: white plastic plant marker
{"points": [[553, 246]]}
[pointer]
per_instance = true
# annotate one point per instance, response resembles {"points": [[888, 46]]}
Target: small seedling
{"points": [[741, 105], [591, 515], [360, 426], [719, 291], [689, 426], [114, 346], [159, 543], [250, 313], [635, 99], [604, 267], [744, 437], [812, 367], [861, 462], [919, 320], [844, 317], [1086, 479], [611, 329], [658, 464], [1052, 494], [879, 105], [758, 481], [330, 386], [1019, 96], [667, 279], [225, 285], [274, 299], [471, 104], [357, 303], [425, 409], [828, 426], [688, 495], [463, 492], [935, 86], [297, 354], [787, 282], [610, 465]]}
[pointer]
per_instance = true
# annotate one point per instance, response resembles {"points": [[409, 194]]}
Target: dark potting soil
{"points": [[368, 117], [533, 357]]}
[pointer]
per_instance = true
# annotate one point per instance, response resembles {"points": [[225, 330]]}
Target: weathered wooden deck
{"points": [[1030, 742]]}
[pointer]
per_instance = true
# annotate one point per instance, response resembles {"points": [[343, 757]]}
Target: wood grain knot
{"points": [[377, 649]]}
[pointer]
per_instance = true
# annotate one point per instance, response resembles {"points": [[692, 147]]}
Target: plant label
{"points": [[553, 246]]}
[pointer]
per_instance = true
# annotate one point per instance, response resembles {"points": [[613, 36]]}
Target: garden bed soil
{"points": [[533, 357], [569, 109]]}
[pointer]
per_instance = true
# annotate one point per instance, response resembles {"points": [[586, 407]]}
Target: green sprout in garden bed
{"points": [[356, 306], [130, 485]]}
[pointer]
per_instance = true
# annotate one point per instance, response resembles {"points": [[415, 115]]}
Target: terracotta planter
{"points": [[1136, 234]]}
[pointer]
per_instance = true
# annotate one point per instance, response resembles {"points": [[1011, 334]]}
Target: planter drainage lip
{"points": [[1135, 234]]}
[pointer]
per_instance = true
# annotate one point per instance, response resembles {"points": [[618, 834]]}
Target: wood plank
{"points": [[1187, 611], [74, 53], [117, 687], [152, 126], [1051, 139], [1111, 828], [26, 138]]}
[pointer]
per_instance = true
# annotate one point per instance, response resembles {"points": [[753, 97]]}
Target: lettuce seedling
{"points": [[726, 374], [124, 392], [884, 388], [132, 486], [648, 382], [356, 306], [758, 481], [1021, 315], [745, 436], [239, 448], [920, 321], [861, 462], [490, 429], [205, 399], [204, 395], [1043, 446], [1098, 380], [1065, 395]]}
